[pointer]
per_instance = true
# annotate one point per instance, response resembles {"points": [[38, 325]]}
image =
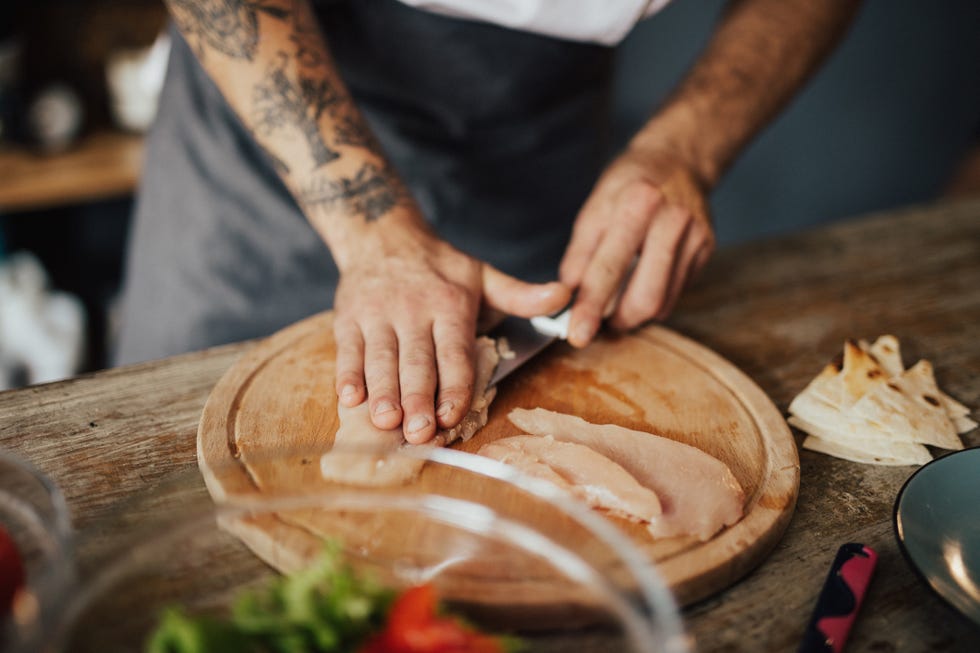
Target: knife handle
{"points": [[839, 600]]}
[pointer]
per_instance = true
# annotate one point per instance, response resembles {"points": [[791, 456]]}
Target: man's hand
{"points": [[405, 327], [641, 236], [649, 205]]}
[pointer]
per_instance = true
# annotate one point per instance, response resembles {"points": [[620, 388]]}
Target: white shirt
{"points": [[597, 21]]}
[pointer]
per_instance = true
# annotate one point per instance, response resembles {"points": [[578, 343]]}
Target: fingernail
{"points": [[383, 407], [444, 409], [347, 390], [417, 423]]}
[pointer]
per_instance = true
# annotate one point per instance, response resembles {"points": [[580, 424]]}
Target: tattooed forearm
{"points": [[274, 68], [322, 96], [370, 193], [352, 130], [281, 102], [307, 38], [228, 26]]}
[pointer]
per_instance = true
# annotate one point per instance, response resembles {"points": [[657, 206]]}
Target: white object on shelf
{"points": [[135, 78], [42, 332]]}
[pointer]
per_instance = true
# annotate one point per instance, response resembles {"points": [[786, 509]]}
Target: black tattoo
{"points": [[352, 129], [370, 193], [280, 102], [228, 26], [321, 96]]}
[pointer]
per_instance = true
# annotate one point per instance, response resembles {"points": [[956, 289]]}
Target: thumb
{"points": [[505, 293]]}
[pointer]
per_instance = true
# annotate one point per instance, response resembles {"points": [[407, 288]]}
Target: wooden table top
{"points": [[778, 309]]}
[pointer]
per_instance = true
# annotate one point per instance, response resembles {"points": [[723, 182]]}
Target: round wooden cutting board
{"points": [[280, 396]]}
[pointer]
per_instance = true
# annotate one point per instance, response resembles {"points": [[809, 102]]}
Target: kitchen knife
{"points": [[519, 339]]}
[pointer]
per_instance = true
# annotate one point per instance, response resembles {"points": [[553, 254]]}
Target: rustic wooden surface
{"points": [[275, 410], [102, 165], [777, 309]]}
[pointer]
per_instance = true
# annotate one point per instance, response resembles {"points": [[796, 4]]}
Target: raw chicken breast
{"points": [[582, 471], [698, 493], [362, 453]]}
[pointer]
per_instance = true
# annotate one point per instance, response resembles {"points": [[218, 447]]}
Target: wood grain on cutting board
{"points": [[280, 397]]}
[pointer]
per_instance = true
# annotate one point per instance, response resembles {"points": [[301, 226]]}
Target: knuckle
{"points": [[588, 312], [452, 296], [384, 355], [343, 327], [348, 377], [633, 311], [643, 198], [379, 381], [606, 268], [348, 352], [417, 356], [649, 304], [417, 400], [458, 391], [455, 326], [456, 355]]}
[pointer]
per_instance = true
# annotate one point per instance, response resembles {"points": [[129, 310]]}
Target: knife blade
{"points": [[524, 338]]}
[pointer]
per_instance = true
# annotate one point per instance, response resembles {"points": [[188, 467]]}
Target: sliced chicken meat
{"points": [[579, 470], [698, 493]]}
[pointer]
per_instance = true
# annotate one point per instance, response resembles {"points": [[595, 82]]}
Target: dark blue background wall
{"points": [[882, 124]]}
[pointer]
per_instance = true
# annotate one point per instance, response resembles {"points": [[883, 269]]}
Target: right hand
{"points": [[405, 316]]}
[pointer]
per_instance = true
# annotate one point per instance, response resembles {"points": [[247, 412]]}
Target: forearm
{"points": [[760, 55], [273, 66]]}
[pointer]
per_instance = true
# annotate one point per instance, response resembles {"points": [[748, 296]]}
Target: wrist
{"points": [[674, 135], [355, 243]]}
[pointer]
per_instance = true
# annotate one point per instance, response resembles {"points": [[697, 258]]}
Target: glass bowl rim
{"points": [[654, 596]]}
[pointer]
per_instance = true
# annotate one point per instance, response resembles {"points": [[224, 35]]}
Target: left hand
{"points": [[647, 207]]}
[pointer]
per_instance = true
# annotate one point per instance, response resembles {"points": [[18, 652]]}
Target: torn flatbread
{"points": [[859, 374], [909, 404], [902, 453], [814, 443], [869, 408]]}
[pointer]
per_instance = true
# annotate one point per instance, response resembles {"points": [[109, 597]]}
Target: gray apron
{"points": [[499, 135]]}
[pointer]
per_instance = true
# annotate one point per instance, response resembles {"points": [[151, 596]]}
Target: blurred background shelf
{"points": [[103, 165]]}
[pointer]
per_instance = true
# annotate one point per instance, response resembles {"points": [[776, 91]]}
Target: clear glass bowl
{"points": [[34, 515], [510, 554]]}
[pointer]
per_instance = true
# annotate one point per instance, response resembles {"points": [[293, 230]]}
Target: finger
{"points": [[381, 375], [456, 365], [350, 363], [696, 244], [598, 291], [599, 286], [586, 235], [516, 297], [647, 289], [702, 258], [417, 379]]}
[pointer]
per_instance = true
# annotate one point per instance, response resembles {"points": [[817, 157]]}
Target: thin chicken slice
{"points": [[581, 471], [698, 493]]}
